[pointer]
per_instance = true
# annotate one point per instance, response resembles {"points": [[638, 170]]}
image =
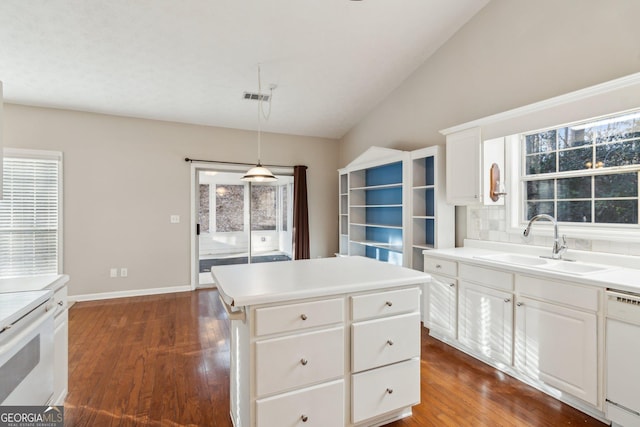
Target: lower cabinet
{"points": [[442, 306], [558, 346], [485, 321]]}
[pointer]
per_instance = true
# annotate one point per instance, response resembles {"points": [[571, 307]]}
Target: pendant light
{"points": [[259, 173]]}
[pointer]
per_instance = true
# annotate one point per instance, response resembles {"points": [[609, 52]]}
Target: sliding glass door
{"points": [[242, 222]]}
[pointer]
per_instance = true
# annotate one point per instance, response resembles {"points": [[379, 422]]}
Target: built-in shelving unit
{"points": [[432, 219], [391, 211]]}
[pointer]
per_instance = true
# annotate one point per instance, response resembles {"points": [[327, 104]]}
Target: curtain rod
{"points": [[187, 159]]}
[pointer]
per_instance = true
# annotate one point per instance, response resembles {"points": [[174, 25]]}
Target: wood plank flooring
{"points": [[163, 360]]}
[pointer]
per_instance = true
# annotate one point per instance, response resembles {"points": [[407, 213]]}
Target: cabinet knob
{"points": [[60, 303], [519, 304], [507, 300], [388, 303], [303, 316], [389, 342], [438, 266], [451, 285], [389, 391], [304, 361], [304, 418]]}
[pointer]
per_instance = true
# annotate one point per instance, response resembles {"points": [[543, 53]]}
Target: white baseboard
{"points": [[129, 293]]}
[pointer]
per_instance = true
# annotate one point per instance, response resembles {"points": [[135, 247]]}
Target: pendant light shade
{"points": [[259, 173]]}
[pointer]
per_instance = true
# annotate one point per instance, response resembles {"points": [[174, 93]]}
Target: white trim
{"points": [[25, 153], [130, 293], [577, 95]]}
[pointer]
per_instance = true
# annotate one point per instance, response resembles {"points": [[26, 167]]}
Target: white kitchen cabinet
{"points": [[485, 321], [558, 345], [464, 186], [60, 344], [442, 306], [1, 136]]}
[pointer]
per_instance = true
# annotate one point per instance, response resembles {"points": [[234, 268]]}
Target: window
{"points": [[585, 173], [30, 213]]}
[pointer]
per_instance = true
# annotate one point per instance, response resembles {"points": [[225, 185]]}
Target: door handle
{"points": [[197, 229]]}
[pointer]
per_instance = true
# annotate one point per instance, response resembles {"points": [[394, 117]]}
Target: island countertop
{"points": [[262, 283]]}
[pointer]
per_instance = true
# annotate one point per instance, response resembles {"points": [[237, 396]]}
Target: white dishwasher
{"points": [[623, 358]]}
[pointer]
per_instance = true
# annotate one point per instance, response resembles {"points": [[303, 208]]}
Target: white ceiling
{"points": [[190, 60]]}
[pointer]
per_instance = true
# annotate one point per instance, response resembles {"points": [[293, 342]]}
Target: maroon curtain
{"points": [[300, 214]]}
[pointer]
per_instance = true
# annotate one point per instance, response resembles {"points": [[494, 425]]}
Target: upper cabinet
{"points": [[392, 206], [464, 186]]}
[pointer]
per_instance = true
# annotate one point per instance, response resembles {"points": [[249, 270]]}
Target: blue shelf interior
{"points": [[391, 236], [384, 255], [430, 171], [384, 196], [384, 216], [430, 236], [429, 209], [382, 175]]}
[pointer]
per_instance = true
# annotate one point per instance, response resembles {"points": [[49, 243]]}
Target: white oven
{"points": [[26, 348]]}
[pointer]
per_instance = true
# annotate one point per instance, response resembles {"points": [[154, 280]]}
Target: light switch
{"points": [[175, 219], [113, 272]]}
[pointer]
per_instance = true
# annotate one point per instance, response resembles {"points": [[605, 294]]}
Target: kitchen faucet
{"points": [[558, 248]]}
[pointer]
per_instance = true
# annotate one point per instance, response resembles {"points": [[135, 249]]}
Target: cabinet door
{"points": [[442, 306], [463, 167], [558, 346], [485, 321]]}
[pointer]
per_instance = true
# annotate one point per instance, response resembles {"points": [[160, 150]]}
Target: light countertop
{"points": [[244, 285], [619, 275], [33, 283]]}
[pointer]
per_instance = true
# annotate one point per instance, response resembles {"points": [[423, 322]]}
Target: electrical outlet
{"points": [[113, 272], [174, 219], [124, 272]]}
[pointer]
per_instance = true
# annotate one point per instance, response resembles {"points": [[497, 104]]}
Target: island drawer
{"points": [[385, 303], [486, 276], [385, 389], [284, 318], [299, 360], [440, 266], [320, 406], [384, 341]]}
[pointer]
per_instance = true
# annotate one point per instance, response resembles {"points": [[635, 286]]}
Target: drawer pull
{"points": [[519, 304], [438, 266], [389, 342], [304, 418], [303, 316], [507, 300], [60, 303], [389, 391], [451, 285], [388, 303], [304, 362]]}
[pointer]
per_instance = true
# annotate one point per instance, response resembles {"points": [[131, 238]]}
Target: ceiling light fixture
{"points": [[259, 173]]}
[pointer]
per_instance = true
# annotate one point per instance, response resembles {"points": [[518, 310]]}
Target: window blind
{"points": [[29, 217]]}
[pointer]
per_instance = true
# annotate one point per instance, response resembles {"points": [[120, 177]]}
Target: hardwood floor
{"points": [[164, 361]]}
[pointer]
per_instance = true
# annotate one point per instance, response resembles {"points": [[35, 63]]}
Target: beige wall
{"points": [[512, 53], [124, 177]]}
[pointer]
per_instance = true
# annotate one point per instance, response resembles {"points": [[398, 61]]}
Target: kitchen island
{"points": [[322, 342]]}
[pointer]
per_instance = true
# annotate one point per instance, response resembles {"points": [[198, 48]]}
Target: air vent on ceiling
{"points": [[256, 96]]}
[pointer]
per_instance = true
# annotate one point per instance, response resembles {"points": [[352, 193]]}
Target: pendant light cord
{"points": [[262, 114]]}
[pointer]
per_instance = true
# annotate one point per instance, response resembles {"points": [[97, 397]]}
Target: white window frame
{"points": [[47, 155], [515, 161]]}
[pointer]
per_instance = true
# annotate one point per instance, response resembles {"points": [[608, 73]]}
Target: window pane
{"points": [[541, 163], [617, 211], [263, 207], [621, 185], [535, 208], [578, 159], [541, 142], [618, 154], [574, 211], [537, 190], [574, 188], [229, 208], [570, 138]]}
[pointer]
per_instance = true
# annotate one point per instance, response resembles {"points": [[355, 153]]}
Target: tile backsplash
{"points": [[489, 223]]}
